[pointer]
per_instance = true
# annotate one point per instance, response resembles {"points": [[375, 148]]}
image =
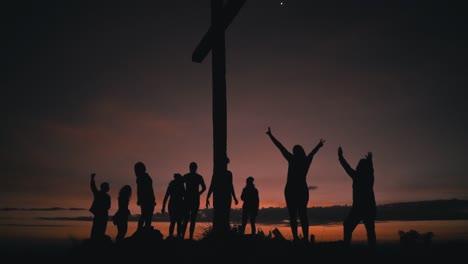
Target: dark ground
{"points": [[152, 248], [258, 249]]}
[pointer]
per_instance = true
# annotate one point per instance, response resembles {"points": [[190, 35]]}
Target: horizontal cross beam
{"points": [[230, 10]]}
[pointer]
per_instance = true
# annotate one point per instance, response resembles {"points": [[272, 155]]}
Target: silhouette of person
{"points": [[99, 208], [364, 207], [193, 182], [145, 195], [296, 190], [250, 204], [231, 189], [175, 194], [120, 218]]}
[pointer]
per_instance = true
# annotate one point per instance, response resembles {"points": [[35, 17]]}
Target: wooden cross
{"points": [[214, 40]]}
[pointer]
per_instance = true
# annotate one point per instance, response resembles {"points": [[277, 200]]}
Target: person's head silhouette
{"points": [[105, 187], [249, 180], [193, 166], [298, 151], [139, 168], [364, 166], [125, 191], [177, 176]]}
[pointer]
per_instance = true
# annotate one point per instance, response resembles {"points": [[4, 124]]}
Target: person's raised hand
{"points": [[320, 144]]}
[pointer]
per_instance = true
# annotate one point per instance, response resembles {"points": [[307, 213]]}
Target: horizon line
{"points": [[57, 208]]}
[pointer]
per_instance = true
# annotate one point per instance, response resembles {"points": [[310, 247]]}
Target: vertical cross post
{"points": [[214, 40], [218, 60]]}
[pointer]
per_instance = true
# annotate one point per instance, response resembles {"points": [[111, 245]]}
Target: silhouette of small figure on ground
{"points": [[250, 204], [99, 208], [413, 238], [175, 194], [296, 190], [145, 195], [364, 207], [232, 192], [193, 182], [120, 218]]}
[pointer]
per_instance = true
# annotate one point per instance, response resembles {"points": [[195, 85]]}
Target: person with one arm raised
{"points": [[99, 208], [364, 207]]}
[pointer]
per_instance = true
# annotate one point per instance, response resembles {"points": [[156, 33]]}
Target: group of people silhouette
{"points": [[183, 193]]}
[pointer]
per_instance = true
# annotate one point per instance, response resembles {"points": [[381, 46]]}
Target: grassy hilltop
{"points": [[238, 248]]}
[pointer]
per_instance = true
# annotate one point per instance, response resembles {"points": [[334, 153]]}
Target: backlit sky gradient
{"points": [[94, 87]]}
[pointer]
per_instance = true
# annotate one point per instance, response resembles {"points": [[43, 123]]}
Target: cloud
{"points": [[5, 209], [32, 225]]}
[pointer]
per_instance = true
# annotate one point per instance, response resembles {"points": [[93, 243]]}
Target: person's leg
{"points": [[122, 229], [176, 213], [350, 223], [125, 227], [304, 222], [144, 216], [171, 225], [292, 206], [293, 221], [369, 223], [141, 219], [179, 223], [99, 226], [185, 222], [94, 228], [244, 220], [149, 216], [193, 220], [252, 223], [119, 231], [104, 225]]}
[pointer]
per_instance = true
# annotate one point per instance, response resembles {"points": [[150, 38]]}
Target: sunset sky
{"points": [[95, 87]]}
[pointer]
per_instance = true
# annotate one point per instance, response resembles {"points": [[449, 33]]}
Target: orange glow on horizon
{"points": [[386, 231]]}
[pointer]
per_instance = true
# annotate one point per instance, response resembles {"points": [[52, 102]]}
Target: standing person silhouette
{"points": [[99, 208], [193, 182], [145, 195], [296, 190], [120, 218], [251, 202], [364, 207], [232, 192], [175, 194]]}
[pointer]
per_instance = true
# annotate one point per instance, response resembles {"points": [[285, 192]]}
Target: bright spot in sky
{"points": [[281, 3]]}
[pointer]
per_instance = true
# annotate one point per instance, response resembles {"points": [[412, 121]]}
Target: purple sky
{"points": [[93, 87]]}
